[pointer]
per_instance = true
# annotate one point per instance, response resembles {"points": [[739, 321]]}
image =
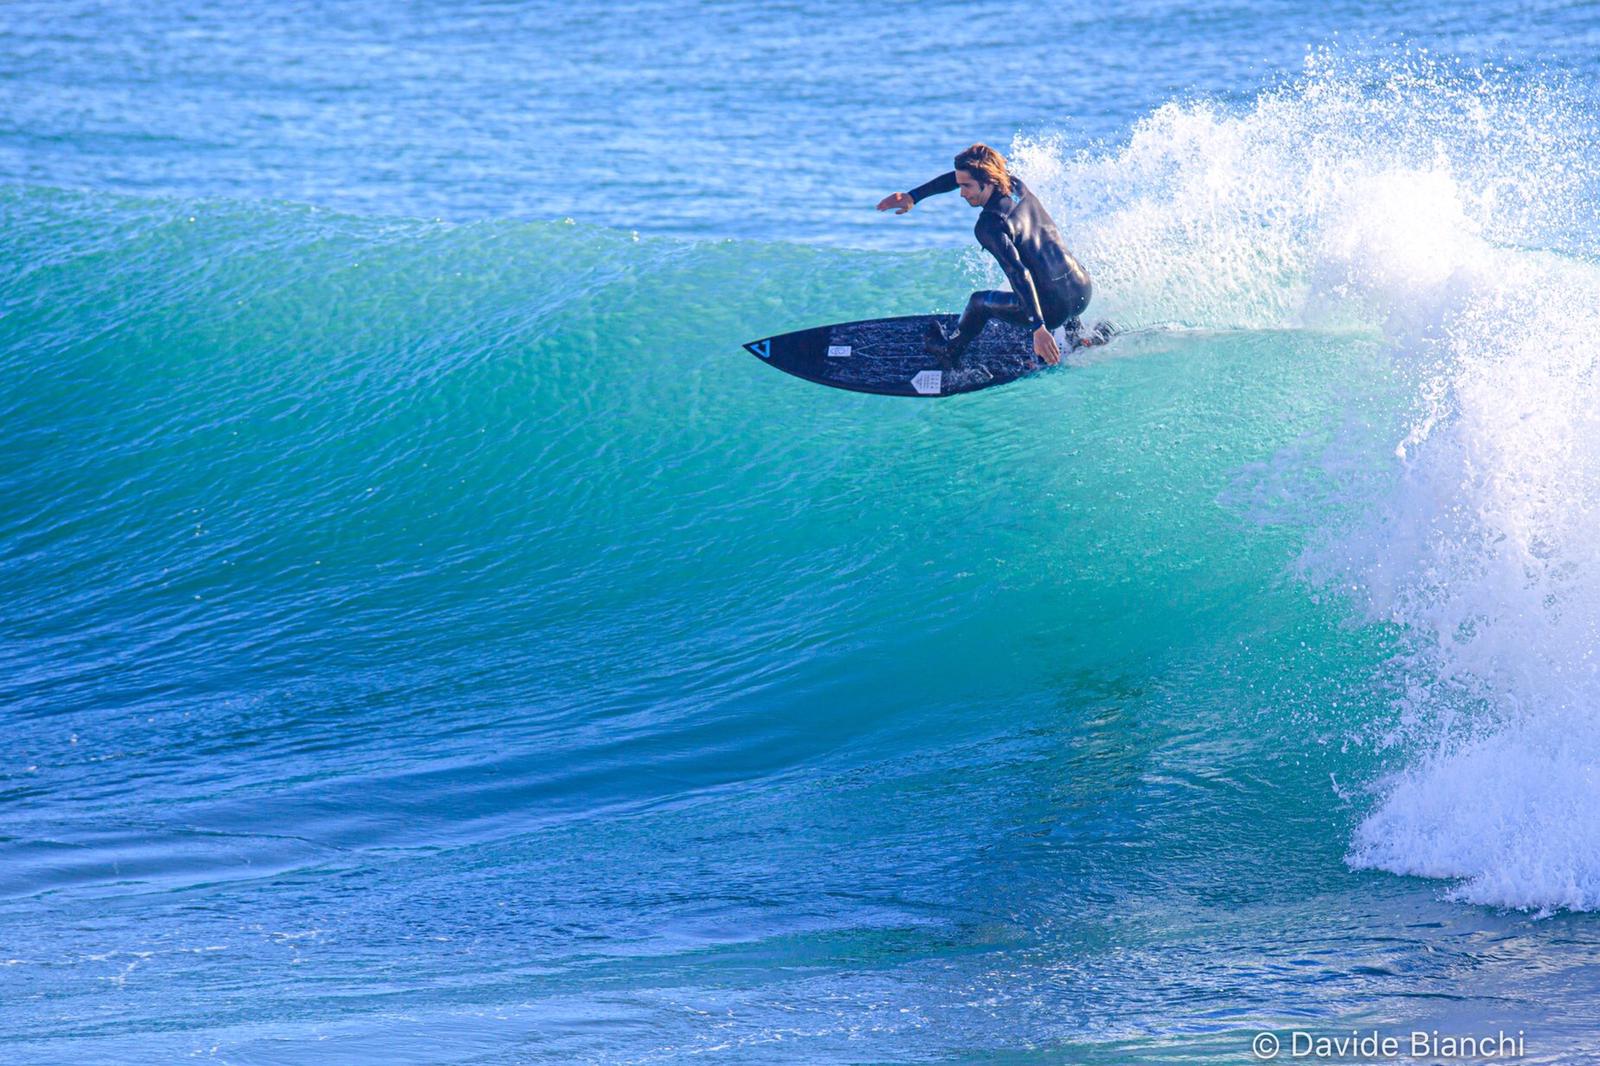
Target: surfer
{"points": [[1048, 287]]}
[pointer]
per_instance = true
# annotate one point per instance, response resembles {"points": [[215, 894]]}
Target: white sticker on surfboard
{"points": [[928, 382], [838, 351]]}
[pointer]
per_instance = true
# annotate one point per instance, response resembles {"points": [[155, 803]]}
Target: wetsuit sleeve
{"points": [[996, 239], [945, 182]]}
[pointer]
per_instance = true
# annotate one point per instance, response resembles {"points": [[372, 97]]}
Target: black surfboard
{"points": [[886, 356]]}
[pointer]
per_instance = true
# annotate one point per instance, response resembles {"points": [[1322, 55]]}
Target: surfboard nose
{"points": [[763, 347]]}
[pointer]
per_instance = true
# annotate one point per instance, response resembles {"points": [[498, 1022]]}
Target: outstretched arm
{"points": [[905, 201], [945, 182]]}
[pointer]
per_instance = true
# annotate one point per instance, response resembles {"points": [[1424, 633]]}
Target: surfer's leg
{"points": [[1064, 301], [1063, 306], [987, 304], [981, 307]]}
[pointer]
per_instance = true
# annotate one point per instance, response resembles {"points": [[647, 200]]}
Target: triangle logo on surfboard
{"points": [[761, 348]]}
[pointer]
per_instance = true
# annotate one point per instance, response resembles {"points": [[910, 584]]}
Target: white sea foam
{"points": [[1454, 212]]}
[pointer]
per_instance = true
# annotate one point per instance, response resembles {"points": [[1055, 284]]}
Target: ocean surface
{"points": [[427, 637]]}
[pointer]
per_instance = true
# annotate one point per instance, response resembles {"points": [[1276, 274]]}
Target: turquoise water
{"points": [[430, 638]]}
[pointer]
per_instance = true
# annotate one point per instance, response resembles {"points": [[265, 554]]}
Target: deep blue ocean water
{"points": [[428, 637]]}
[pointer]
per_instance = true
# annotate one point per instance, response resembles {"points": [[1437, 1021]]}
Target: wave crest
{"points": [[1452, 212]]}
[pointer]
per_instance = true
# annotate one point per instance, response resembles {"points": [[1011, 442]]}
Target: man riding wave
{"points": [[1049, 289]]}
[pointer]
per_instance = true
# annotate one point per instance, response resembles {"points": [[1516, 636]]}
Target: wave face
{"points": [[450, 612]]}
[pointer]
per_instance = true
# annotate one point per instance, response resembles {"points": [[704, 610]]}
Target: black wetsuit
{"points": [[1048, 286]]}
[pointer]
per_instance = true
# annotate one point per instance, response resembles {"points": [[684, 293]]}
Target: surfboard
{"points": [[886, 356]]}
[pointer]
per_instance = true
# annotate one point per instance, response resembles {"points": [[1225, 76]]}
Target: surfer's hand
{"points": [[1045, 346], [900, 200]]}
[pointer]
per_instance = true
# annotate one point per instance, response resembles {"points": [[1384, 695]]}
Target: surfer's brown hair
{"points": [[987, 165]]}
